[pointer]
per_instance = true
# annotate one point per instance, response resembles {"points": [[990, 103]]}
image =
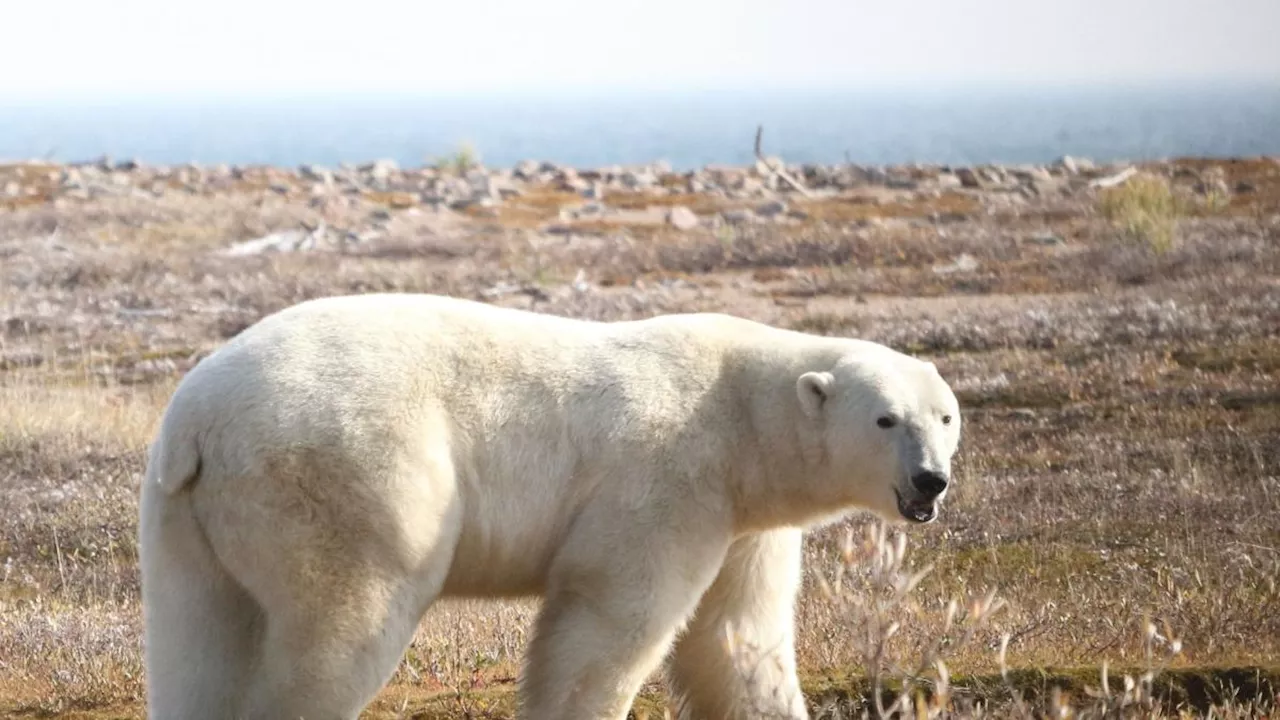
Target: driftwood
{"points": [[1113, 180], [778, 170]]}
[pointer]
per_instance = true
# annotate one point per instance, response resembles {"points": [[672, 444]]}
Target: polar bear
{"points": [[319, 480]]}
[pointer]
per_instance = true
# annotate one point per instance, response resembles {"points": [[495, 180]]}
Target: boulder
{"points": [[682, 218]]}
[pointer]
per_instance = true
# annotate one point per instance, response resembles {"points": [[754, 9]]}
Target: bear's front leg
{"points": [[617, 595], [753, 601]]}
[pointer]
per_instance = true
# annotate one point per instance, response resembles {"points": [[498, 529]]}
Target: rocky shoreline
{"points": [[567, 199]]}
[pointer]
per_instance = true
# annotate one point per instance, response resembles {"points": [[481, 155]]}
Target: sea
{"points": [[686, 129]]}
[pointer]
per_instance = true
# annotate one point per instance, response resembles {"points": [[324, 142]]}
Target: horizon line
{"points": [[1199, 83]]}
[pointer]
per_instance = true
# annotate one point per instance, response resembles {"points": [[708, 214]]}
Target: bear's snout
{"points": [[929, 483]]}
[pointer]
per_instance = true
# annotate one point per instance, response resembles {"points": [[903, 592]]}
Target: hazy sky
{"points": [[269, 46]]}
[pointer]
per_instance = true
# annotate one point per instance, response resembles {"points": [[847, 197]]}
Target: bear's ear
{"points": [[813, 389]]}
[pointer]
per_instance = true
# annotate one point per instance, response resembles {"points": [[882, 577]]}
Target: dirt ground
{"points": [[1121, 459]]}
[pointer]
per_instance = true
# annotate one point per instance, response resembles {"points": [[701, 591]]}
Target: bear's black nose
{"points": [[930, 483]]}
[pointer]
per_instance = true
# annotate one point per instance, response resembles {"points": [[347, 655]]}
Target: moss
{"points": [[1038, 396], [854, 208], [1261, 355]]}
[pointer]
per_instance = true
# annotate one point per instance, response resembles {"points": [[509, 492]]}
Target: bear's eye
{"points": [[946, 419], [885, 422]]}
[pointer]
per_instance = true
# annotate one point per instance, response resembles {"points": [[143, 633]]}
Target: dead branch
{"points": [[1113, 180], [778, 170]]}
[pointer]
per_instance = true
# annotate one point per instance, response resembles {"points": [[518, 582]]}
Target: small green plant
{"points": [[462, 160], [1144, 210], [726, 235]]}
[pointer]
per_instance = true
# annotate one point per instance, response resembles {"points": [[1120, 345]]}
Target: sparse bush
{"points": [[1144, 210], [462, 160]]}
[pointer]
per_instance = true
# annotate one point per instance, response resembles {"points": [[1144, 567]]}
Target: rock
{"points": [[849, 177], [682, 218], [969, 178], [875, 176], [1032, 175], [484, 188], [507, 190], [1045, 238], [594, 191], [570, 181], [994, 175], [771, 208], [381, 170], [128, 165], [1073, 165], [964, 263], [948, 181], [638, 180], [316, 173], [528, 170], [1245, 187], [738, 216], [12, 189], [815, 176], [724, 176], [897, 182], [283, 242]]}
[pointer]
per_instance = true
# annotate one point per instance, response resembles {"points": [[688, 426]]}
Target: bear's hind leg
{"points": [[343, 559], [330, 665], [754, 598]]}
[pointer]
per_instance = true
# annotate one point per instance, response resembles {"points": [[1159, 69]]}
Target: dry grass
{"points": [[1121, 459], [1144, 210], [949, 205]]}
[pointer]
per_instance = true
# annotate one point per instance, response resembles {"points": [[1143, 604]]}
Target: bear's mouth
{"points": [[917, 511]]}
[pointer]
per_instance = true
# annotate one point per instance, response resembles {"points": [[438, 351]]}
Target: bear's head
{"points": [[885, 428]]}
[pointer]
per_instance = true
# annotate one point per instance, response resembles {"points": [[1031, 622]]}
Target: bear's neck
{"points": [[778, 477]]}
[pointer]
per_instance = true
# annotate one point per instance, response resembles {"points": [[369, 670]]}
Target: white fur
{"points": [[321, 479]]}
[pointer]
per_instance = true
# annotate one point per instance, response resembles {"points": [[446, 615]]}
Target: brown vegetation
{"points": [[1121, 459]]}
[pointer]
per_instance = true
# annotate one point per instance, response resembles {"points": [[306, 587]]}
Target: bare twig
{"points": [[778, 169]]}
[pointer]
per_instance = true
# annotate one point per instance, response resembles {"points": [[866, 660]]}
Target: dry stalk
{"points": [[778, 169]]}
